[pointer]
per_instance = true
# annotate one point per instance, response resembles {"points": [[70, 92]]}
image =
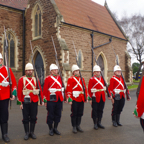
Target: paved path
{"points": [[129, 133]]}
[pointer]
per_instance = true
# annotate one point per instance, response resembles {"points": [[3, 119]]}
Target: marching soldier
{"points": [[5, 96], [117, 90], [75, 95], [53, 92], [96, 97], [28, 99]]}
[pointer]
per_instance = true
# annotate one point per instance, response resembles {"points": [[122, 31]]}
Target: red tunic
{"points": [[53, 82], [93, 84], [140, 101], [5, 91], [72, 85], [114, 84], [34, 98]]}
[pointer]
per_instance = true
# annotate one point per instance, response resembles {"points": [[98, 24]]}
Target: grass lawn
{"points": [[132, 86], [136, 81]]}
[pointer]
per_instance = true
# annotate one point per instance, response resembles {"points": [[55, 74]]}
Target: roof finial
{"points": [[105, 3]]}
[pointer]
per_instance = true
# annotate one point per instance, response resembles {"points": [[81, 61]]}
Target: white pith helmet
{"points": [[1, 56], [53, 67], [74, 67], [96, 68], [29, 66], [117, 68]]}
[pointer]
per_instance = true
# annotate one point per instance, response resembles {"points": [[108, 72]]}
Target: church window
{"points": [[37, 21], [11, 50]]}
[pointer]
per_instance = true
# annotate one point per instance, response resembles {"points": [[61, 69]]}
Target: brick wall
{"points": [[12, 20], [82, 39]]}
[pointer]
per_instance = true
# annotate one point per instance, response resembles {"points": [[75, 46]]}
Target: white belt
{"points": [[4, 84], [53, 90], [77, 93], [117, 91], [97, 90], [27, 92]]}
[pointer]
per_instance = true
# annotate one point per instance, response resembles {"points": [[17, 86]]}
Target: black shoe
{"points": [[118, 120], [99, 124], [78, 122], [55, 129], [4, 129], [26, 127], [6, 138], [26, 137], [32, 135], [114, 121], [79, 129], [95, 124], [74, 130], [32, 127], [73, 121], [51, 132]]}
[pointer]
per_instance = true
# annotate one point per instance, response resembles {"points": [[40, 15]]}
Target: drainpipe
{"points": [[23, 42], [92, 35]]}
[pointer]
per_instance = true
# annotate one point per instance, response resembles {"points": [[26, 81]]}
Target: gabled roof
{"points": [[90, 15], [18, 4]]}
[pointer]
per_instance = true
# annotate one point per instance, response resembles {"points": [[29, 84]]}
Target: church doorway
{"points": [[39, 65]]}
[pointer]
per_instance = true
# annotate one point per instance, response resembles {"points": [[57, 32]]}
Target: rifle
{"points": [[101, 73], [35, 73], [80, 73], [7, 64], [128, 97], [57, 63]]}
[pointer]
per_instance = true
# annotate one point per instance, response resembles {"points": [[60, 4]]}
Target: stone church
{"points": [[83, 22]]}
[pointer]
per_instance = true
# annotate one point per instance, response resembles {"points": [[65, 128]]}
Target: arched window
{"points": [[101, 63], [80, 59], [37, 21], [11, 50]]}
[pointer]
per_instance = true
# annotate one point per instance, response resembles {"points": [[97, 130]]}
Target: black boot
{"points": [[55, 129], [26, 127], [73, 121], [32, 127], [114, 121], [118, 120], [78, 124], [4, 129], [51, 133], [95, 124], [99, 124]]}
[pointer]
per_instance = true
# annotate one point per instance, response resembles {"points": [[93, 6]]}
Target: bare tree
{"points": [[134, 29]]}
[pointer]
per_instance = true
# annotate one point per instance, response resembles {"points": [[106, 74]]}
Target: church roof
{"points": [[90, 15], [18, 4]]}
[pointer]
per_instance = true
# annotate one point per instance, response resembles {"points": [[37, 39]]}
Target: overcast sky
{"points": [[122, 6]]}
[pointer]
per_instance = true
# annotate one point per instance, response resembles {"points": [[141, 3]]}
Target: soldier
{"points": [[117, 90], [53, 92], [96, 97], [5, 96], [28, 99], [75, 95], [139, 111]]}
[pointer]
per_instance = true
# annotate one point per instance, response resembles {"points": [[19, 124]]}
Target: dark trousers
{"points": [[54, 111], [77, 109], [4, 114], [97, 108], [142, 123], [118, 106], [29, 112]]}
